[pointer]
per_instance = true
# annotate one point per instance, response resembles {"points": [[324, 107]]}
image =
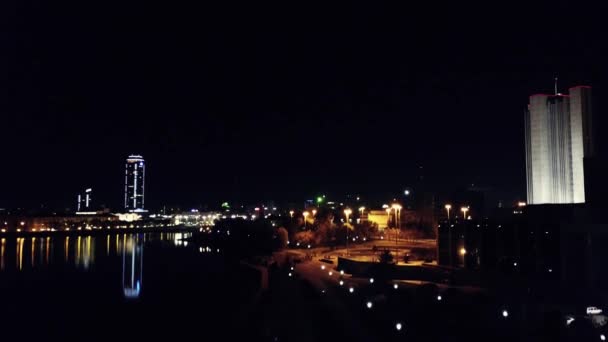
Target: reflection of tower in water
{"points": [[132, 265], [2, 248]]}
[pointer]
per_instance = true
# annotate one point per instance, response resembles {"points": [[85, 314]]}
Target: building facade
{"points": [[558, 138], [135, 175]]}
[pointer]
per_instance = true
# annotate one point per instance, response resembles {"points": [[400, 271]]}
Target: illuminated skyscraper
{"points": [[85, 202], [135, 172], [558, 138]]}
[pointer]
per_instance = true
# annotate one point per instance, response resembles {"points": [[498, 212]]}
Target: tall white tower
{"points": [[135, 172], [558, 138]]}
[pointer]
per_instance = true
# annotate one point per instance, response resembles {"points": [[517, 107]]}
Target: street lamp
{"points": [[314, 212], [464, 211], [361, 210], [388, 216], [305, 214], [448, 207], [291, 214], [397, 208], [347, 212]]}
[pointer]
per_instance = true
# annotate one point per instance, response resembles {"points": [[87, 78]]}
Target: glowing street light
{"points": [[291, 213], [464, 211], [305, 214], [347, 212], [398, 326], [314, 212], [447, 208], [397, 209]]}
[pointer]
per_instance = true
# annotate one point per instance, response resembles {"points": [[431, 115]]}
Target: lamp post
{"points": [[305, 214], [464, 212], [397, 208], [347, 212], [447, 208], [314, 212], [291, 214]]}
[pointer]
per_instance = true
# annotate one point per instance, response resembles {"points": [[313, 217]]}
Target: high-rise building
{"points": [[135, 171], [85, 202], [558, 138]]}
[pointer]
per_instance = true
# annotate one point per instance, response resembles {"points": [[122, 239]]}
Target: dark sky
{"points": [[278, 100]]}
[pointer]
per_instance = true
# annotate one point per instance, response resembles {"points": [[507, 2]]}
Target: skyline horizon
{"points": [[512, 196]]}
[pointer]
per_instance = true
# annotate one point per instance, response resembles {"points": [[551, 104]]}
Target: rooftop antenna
{"points": [[556, 93]]}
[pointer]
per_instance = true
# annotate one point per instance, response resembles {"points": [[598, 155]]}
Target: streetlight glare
{"points": [[369, 305]]}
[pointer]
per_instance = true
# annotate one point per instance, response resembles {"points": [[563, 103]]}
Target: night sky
{"points": [[281, 100]]}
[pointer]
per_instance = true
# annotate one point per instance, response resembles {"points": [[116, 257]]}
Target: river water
{"points": [[119, 286]]}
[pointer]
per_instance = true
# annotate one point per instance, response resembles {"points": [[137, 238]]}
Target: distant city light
{"points": [[371, 280], [505, 313], [395, 286], [439, 298], [369, 305], [398, 326], [351, 290], [569, 320]]}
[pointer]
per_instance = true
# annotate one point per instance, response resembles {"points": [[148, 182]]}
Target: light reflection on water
{"points": [[81, 251]]}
